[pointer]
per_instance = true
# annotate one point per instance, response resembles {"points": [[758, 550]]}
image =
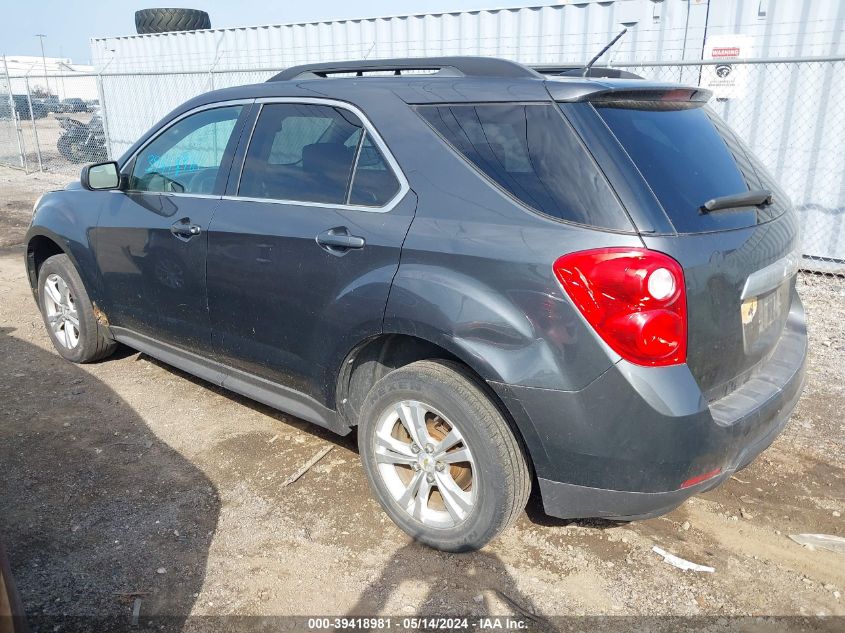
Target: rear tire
{"points": [[69, 150], [167, 20], [458, 477], [69, 315]]}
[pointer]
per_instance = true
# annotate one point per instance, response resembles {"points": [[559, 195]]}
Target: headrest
{"points": [[327, 158]]}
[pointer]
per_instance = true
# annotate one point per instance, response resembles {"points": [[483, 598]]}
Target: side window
{"points": [[186, 157], [296, 133], [301, 152], [531, 153], [374, 183]]}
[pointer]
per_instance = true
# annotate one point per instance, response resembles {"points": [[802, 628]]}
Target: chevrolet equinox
{"points": [[500, 276]]}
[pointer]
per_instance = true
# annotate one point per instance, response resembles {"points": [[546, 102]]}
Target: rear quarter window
{"points": [[531, 152]]}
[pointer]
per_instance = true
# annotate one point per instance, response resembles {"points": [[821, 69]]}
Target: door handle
{"points": [[184, 230], [338, 240]]}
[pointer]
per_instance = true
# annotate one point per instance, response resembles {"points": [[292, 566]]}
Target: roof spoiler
{"points": [[655, 94], [639, 94]]}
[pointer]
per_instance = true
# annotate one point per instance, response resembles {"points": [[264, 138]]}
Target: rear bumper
{"points": [[621, 447]]}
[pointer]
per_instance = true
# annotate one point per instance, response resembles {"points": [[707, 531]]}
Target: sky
{"points": [[69, 24]]}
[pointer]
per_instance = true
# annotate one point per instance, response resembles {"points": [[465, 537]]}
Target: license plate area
{"points": [[763, 318]]}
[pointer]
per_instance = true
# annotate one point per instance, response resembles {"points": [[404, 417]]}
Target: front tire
{"points": [[68, 313], [440, 456]]}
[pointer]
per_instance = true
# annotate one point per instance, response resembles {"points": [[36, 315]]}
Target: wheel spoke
{"points": [[412, 489], [452, 439], [421, 501], [457, 501], [64, 292], [389, 450], [73, 317], [460, 455], [66, 336], [53, 292], [412, 416], [54, 320]]}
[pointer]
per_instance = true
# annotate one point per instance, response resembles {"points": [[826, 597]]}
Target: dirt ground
{"points": [[128, 478]]}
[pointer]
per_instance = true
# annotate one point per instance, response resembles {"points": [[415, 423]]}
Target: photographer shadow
{"points": [[474, 585], [101, 520]]}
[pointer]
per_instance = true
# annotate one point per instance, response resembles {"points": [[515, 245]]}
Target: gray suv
{"points": [[502, 277]]}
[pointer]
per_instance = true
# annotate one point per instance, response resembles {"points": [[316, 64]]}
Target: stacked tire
{"points": [[169, 20]]}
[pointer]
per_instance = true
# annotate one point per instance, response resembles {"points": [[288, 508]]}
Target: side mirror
{"points": [[100, 177]]}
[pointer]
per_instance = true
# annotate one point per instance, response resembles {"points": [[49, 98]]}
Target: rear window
{"points": [[530, 151], [687, 160]]}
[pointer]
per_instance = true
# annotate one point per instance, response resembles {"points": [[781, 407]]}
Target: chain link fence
{"points": [[51, 123], [791, 115], [11, 151], [788, 110]]}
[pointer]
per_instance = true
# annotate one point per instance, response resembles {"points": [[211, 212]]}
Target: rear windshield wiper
{"points": [[754, 198]]}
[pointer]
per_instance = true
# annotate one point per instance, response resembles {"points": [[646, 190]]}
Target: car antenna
{"points": [[603, 51]]}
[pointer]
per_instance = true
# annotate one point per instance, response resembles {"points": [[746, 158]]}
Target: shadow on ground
{"points": [[96, 511], [446, 580]]}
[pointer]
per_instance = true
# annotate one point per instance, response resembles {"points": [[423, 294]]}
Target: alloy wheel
{"points": [[60, 309], [426, 464]]}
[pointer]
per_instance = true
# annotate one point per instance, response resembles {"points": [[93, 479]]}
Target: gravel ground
{"points": [[128, 478]]}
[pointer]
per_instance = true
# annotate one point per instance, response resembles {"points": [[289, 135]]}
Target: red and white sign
{"points": [[727, 80], [725, 51]]}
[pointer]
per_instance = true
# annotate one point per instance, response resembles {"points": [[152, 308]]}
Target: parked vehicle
{"points": [[74, 104], [50, 104], [82, 142], [22, 108], [500, 278]]}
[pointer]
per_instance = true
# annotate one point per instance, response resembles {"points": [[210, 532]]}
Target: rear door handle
{"points": [[184, 230], [338, 240]]}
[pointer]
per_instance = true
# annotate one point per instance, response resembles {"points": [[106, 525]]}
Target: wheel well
{"points": [[38, 250], [375, 358], [372, 360]]}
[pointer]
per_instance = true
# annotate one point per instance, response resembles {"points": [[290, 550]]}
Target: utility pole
{"points": [[41, 37]]}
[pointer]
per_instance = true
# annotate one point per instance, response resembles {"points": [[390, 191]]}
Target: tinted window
{"points": [[532, 153], [295, 133], [186, 157], [301, 152], [686, 161], [374, 183]]}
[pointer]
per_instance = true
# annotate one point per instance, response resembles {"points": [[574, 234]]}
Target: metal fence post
{"points": [[34, 126], [101, 92], [13, 117]]}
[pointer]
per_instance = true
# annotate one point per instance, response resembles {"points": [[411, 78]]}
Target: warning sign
{"points": [[726, 80]]}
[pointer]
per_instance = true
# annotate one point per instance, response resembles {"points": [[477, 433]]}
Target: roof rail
{"points": [[441, 66], [578, 71]]}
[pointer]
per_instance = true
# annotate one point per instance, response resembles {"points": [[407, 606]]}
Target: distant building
{"points": [[60, 79]]}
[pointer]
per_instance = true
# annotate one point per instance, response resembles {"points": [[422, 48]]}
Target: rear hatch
{"points": [[738, 254]]}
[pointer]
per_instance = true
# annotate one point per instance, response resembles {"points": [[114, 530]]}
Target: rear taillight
{"points": [[634, 298]]}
